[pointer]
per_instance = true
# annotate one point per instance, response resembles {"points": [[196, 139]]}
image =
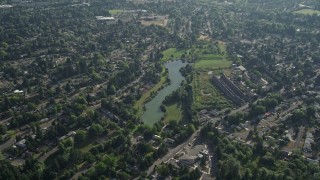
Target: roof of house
{"points": [[21, 143], [104, 18], [241, 68], [186, 157]]}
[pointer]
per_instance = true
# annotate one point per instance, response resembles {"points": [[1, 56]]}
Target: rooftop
{"points": [[101, 18]]}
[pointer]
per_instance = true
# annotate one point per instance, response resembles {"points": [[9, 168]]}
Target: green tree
{"points": [[3, 129], [3, 54], [111, 90], [311, 111], [235, 118], [100, 168], [297, 115], [163, 170], [95, 130], [31, 106], [80, 137], [4, 45], [258, 109]]}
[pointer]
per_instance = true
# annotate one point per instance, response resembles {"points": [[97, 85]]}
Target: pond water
{"points": [[153, 113]]}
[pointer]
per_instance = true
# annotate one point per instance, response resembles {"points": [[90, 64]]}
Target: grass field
{"points": [[308, 12], [212, 64], [115, 11], [213, 61], [204, 2], [211, 57], [140, 103], [172, 53], [174, 112], [206, 95], [222, 47], [87, 148]]}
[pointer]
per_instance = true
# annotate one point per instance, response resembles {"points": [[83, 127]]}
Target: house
{"points": [[139, 138], [17, 91], [315, 161], [22, 143], [203, 111], [241, 68], [44, 120], [156, 137], [103, 18], [205, 153], [307, 147], [214, 112], [173, 162], [168, 141], [70, 134], [188, 160], [229, 89], [285, 154], [289, 135], [27, 154]]}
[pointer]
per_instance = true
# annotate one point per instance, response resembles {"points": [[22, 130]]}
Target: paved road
{"points": [[45, 156], [5, 121], [12, 140], [299, 136], [173, 152], [242, 108], [274, 119], [76, 176]]}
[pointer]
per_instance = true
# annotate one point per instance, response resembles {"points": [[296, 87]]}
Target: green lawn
{"points": [[211, 57], [115, 11], [204, 2], [308, 12], [87, 148], [11, 133], [214, 61], [223, 48], [172, 53], [173, 112], [212, 64]]}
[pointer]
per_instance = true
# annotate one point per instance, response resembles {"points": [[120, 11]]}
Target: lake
{"points": [[153, 113]]}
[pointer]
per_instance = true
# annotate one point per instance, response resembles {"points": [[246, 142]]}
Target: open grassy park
{"points": [[206, 95], [172, 53], [213, 61], [308, 12], [208, 62], [212, 64], [115, 11]]}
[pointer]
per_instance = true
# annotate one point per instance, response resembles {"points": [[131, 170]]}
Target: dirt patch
{"points": [[155, 20], [203, 93], [204, 37]]}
